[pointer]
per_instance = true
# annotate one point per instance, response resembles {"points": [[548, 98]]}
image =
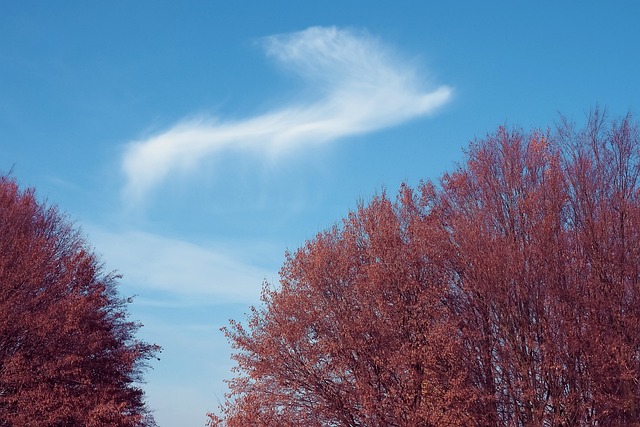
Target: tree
{"points": [[68, 353], [350, 338], [602, 169], [509, 295]]}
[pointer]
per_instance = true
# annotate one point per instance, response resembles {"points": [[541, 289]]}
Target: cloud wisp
{"points": [[183, 271], [360, 86]]}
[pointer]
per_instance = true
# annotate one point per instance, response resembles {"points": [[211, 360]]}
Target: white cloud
{"points": [[184, 271], [360, 86]]}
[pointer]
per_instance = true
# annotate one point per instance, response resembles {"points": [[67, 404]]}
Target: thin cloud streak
{"points": [[361, 87], [184, 271]]}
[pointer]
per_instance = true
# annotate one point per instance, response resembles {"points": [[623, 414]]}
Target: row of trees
{"points": [[506, 295], [68, 353]]}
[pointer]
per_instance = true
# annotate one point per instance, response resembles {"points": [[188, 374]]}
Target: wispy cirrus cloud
{"points": [[184, 271], [360, 84]]}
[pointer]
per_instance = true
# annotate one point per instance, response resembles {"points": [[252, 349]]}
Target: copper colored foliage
{"points": [[508, 295], [68, 355]]}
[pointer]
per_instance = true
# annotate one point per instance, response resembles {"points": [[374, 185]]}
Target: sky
{"points": [[195, 142]]}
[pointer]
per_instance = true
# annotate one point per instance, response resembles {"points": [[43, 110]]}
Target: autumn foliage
{"points": [[507, 294], [68, 355]]}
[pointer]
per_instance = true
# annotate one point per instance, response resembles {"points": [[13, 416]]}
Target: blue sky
{"points": [[194, 142]]}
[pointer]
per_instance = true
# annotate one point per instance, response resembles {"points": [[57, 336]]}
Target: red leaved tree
{"points": [[68, 354], [602, 171], [359, 332], [507, 296]]}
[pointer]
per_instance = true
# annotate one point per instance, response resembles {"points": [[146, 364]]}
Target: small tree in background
{"points": [[68, 353], [507, 296]]}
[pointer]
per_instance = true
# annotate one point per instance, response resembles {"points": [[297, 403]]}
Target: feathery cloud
{"points": [[361, 86], [178, 268]]}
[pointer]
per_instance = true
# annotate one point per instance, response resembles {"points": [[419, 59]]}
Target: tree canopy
{"points": [[68, 353], [506, 294]]}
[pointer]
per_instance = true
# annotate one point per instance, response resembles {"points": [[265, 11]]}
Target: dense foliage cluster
{"points": [[506, 295], [68, 355]]}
